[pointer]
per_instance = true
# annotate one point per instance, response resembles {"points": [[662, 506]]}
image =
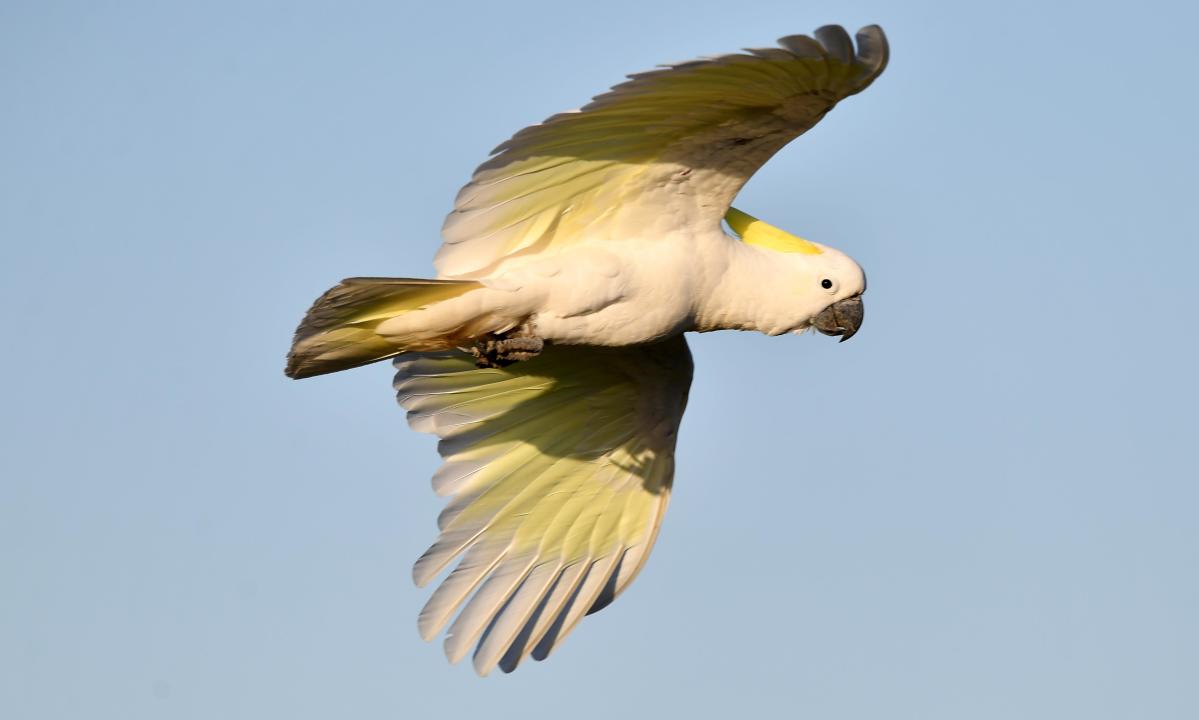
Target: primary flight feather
{"points": [[548, 355]]}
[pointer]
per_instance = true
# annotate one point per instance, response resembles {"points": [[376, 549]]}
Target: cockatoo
{"points": [[548, 354]]}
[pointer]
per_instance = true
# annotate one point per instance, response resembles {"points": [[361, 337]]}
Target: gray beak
{"points": [[843, 318]]}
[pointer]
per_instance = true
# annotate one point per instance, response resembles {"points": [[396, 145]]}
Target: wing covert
{"points": [[666, 148]]}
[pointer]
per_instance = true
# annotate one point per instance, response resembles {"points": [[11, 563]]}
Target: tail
{"points": [[338, 332]]}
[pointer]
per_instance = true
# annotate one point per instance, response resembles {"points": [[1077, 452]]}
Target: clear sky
{"points": [[983, 506]]}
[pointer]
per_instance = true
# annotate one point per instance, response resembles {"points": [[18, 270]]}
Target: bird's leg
{"points": [[495, 351]]}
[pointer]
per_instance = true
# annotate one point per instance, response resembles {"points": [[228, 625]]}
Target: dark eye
{"points": [[826, 284]]}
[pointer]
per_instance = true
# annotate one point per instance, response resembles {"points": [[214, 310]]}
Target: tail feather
{"points": [[338, 332]]}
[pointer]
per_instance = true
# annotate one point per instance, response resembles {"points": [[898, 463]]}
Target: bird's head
{"points": [[827, 283]]}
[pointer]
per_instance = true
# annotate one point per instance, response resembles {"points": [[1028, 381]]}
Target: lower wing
{"points": [[558, 470]]}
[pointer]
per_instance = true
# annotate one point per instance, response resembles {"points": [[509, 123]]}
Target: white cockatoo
{"points": [[548, 355]]}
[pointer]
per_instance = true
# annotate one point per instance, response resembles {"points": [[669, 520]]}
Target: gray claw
{"points": [[500, 352]]}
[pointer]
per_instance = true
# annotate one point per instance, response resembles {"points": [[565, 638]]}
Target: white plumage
{"points": [[558, 470], [549, 357]]}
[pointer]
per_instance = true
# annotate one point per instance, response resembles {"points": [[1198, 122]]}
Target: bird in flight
{"points": [[548, 355]]}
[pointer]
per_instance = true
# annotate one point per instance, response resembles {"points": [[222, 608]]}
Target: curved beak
{"points": [[843, 318]]}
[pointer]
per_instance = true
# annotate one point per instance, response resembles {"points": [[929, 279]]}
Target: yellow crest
{"points": [[753, 231]]}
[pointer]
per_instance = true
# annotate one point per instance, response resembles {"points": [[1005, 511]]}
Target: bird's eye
{"points": [[826, 284]]}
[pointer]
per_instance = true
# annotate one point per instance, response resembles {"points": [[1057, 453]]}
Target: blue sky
{"points": [[983, 506]]}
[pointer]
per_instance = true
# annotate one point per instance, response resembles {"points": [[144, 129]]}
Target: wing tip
{"points": [[873, 49], [832, 41]]}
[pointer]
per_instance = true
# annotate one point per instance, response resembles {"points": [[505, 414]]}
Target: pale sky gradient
{"points": [[983, 506]]}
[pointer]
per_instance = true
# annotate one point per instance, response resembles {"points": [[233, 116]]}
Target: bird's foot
{"points": [[501, 351]]}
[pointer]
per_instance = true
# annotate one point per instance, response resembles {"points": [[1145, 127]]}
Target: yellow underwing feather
{"points": [[558, 470]]}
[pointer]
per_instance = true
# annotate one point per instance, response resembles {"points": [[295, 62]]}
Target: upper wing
{"points": [[559, 470], [666, 148]]}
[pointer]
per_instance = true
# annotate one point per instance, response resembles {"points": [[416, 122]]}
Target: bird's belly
{"points": [[622, 323], [622, 293]]}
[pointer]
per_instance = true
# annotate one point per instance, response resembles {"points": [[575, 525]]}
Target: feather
{"points": [[836, 43], [551, 185], [514, 616], [558, 470], [338, 332]]}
